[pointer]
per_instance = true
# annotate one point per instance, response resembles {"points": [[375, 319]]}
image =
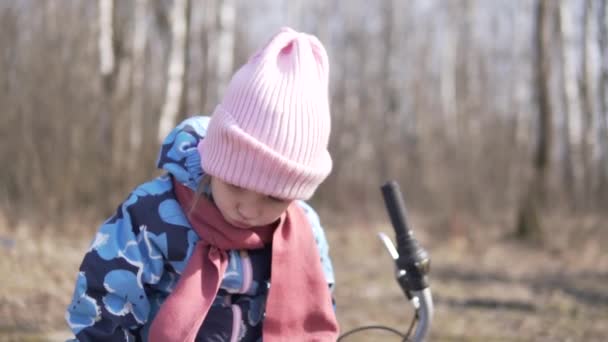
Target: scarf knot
{"points": [[298, 307], [216, 254]]}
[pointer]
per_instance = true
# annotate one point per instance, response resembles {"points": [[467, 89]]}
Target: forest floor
{"points": [[486, 286]]}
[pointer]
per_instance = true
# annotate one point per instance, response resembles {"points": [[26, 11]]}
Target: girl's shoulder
{"points": [[311, 214]]}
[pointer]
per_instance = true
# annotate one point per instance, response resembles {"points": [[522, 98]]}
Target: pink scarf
{"points": [[298, 307]]}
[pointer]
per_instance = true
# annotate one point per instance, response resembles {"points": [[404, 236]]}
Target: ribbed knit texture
{"points": [[270, 132]]}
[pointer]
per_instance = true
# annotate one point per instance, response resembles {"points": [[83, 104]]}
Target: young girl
{"points": [[222, 247]]}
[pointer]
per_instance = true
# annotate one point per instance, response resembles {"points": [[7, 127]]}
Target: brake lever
{"points": [[388, 244], [400, 273]]}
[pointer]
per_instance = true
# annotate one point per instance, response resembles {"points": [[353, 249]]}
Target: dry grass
{"points": [[486, 287], [38, 269]]}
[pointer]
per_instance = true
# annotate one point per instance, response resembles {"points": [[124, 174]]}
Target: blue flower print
{"points": [[123, 298], [83, 310]]}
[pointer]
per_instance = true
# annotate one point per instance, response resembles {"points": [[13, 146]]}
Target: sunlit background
{"points": [[491, 115]]}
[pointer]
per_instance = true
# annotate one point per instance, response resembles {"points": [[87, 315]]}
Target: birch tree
{"points": [[208, 56], [137, 80], [107, 62], [226, 20], [588, 90], [447, 79], [603, 92], [528, 219], [176, 69], [571, 96], [387, 120]]}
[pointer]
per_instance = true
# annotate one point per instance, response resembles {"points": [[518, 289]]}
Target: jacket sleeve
{"points": [[110, 301]]}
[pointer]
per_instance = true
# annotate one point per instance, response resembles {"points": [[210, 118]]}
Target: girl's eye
{"points": [[235, 187], [276, 199]]}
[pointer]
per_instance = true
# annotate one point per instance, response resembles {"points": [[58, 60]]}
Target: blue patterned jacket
{"points": [[138, 254]]}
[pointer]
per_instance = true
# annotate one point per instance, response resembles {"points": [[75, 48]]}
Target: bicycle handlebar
{"points": [[412, 257], [412, 261], [396, 210], [412, 265]]}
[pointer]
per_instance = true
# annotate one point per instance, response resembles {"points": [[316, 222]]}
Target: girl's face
{"points": [[245, 208]]}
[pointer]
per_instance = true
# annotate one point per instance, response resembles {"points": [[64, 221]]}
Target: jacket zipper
{"points": [[247, 271], [237, 317]]}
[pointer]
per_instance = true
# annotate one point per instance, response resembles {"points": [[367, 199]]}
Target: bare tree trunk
{"points": [[528, 218], [588, 94], [206, 36], [183, 113], [106, 36], [176, 69], [448, 81], [469, 96], [603, 96], [520, 126], [115, 69], [570, 100], [363, 148], [211, 94], [387, 120], [107, 67], [463, 74], [138, 81], [197, 52], [226, 30]]}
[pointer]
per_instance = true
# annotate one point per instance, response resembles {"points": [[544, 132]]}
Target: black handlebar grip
{"points": [[396, 211], [412, 257]]}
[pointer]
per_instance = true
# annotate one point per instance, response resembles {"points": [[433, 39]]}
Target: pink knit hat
{"points": [[270, 132]]}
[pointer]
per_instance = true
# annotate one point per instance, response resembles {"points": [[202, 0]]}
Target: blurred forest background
{"points": [[465, 103], [490, 114]]}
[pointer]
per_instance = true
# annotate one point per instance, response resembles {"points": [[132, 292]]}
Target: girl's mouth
{"points": [[240, 224]]}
